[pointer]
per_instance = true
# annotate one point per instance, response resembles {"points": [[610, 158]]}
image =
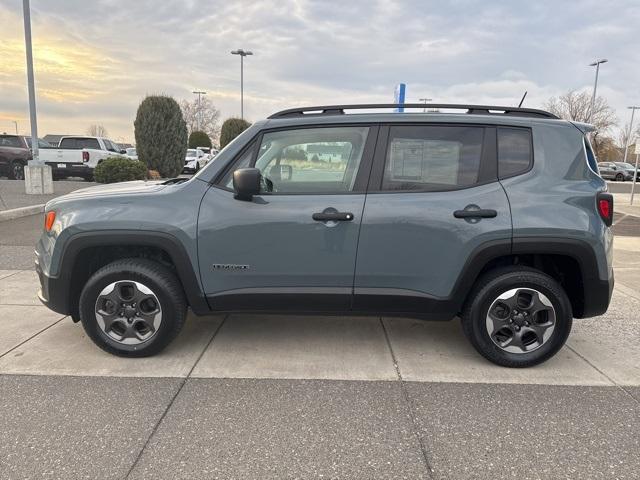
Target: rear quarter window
{"points": [[515, 151]]}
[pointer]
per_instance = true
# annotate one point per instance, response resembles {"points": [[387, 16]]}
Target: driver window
{"points": [[311, 160]]}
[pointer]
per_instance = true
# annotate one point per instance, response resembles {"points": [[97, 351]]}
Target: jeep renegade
{"points": [[493, 214]]}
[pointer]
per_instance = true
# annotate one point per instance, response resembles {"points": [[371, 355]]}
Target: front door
{"points": [[293, 247]]}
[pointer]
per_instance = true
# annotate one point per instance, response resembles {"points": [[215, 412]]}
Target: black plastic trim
{"points": [[283, 299], [58, 292]]}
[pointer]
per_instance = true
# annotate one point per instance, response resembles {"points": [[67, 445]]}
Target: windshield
{"points": [[191, 153]]}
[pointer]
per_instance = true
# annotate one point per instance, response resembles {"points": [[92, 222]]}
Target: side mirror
{"points": [[246, 183], [123, 152]]}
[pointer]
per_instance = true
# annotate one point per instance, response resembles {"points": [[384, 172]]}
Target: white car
{"points": [[131, 153], [194, 161]]}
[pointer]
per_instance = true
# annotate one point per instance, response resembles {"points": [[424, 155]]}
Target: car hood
{"points": [[122, 188]]}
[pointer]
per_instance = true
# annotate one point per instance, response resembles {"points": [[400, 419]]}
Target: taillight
{"points": [[85, 156], [49, 218], [604, 203]]}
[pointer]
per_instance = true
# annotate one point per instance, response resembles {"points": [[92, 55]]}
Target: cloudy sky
{"points": [[95, 60]]}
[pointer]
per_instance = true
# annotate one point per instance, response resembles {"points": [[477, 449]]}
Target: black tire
{"points": [[164, 285], [16, 171], [493, 284], [619, 178]]}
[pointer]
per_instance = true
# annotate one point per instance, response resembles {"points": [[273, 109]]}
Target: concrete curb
{"points": [[14, 213]]}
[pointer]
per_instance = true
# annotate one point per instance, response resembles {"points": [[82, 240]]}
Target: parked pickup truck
{"points": [[78, 156]]}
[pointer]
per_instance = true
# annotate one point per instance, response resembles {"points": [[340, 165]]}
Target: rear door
{"points": [[434, 203], [285, 249]]}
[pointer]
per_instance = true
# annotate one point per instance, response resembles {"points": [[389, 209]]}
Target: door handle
{"points": [[332, 216], [479, 213]]}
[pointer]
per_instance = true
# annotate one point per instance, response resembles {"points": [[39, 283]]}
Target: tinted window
{"points": [[432, 158], [87, 143], [10, 141], [311, 160], [243, 161], [591, 158], [514, 151]]}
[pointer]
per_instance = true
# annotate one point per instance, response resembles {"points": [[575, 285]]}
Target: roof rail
{"points": [[470, 109]]}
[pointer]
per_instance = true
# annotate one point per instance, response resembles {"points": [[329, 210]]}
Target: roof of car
{"points": [[419, 113]]}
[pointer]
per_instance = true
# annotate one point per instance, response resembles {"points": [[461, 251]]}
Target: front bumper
{"points": [[53, 292]]}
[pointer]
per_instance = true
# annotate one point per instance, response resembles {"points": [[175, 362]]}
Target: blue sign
{"points": [[398, 97]]}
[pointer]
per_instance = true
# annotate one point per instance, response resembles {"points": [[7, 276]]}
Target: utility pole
{"points": [[242, 53], [16, 124], [626, 146], [199, 115], [595, 85], [425, 100]]}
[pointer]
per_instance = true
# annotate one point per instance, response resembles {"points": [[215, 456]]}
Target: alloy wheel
{"points": [[128, 312], [521, 320]]}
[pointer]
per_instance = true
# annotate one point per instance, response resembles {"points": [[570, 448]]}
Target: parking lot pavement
{"points": [[12, 192], [77, 427]]}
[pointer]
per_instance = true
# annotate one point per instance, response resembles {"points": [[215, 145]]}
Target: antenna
{"points": [[523, 97]]}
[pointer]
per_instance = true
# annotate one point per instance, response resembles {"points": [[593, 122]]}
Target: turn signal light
{"points": [[49, 218]]}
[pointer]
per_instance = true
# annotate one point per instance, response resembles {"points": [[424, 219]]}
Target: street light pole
{"points": [[30, 82], [242, 53], [595, 85], [16, 124], [626, 146], [199, 115], [425, 100]]}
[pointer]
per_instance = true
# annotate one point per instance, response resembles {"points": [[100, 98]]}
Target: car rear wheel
{"points": [[16, 171], [620, 177], [517, 317], [133, 307]]}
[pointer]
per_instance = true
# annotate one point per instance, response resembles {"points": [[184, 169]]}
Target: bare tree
{"points": [[204, 117], [624, 134], [574, 105], [97, 130]]}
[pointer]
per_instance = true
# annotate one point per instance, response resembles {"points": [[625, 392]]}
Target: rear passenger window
{"points": [[514, 151], [432, 158]]}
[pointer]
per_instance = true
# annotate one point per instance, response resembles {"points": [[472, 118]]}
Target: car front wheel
{"points": [[133, 307], [17, 171], [517, 317]]}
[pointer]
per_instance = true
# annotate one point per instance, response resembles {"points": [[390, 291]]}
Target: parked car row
{"points": [[197, 158], [74, 156], [618, 171]]}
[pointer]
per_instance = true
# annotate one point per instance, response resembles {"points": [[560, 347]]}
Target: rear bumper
{"points": [[597, 296], [70, 169]]}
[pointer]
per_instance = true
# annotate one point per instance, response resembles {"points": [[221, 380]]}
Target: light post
{"points": [[16, 124], [199, 115], [242, 53], [626, 145], [425, 100], [37, 176], [595, 85]]}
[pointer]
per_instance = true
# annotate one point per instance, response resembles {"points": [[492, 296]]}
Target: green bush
{"points": [[231, 128], [161, 135], [119, 169], [199, 139]]}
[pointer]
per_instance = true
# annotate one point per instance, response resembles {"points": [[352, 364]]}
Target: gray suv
{"points": [[493, 214]]}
